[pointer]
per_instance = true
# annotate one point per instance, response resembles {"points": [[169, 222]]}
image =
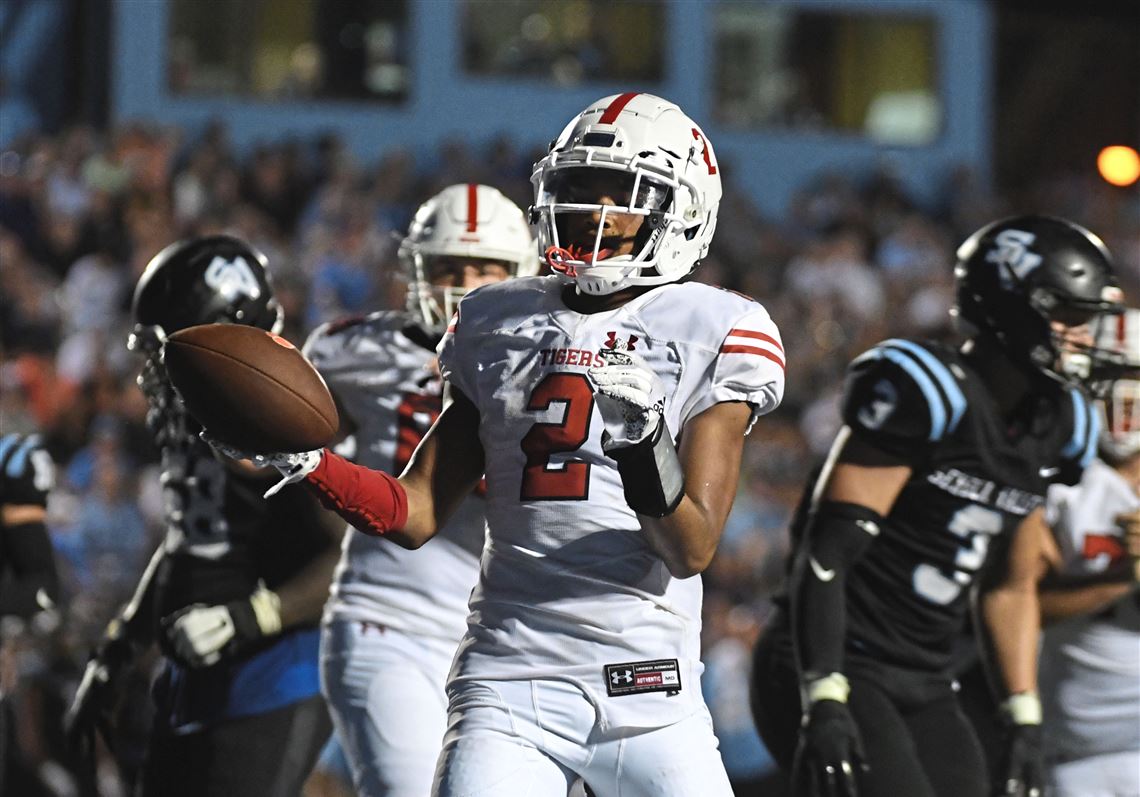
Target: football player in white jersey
{"points": [[1084, 569], [1089, 670], [607, 405], [395, 617]]}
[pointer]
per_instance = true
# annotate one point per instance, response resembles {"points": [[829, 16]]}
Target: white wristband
{"points": [[267, 609], [1024, 708], [833, 686]]}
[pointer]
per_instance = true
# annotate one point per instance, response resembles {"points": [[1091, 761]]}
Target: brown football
{"points": [[250, 388]]}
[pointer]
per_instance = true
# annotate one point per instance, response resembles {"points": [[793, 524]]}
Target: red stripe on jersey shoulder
{"points": [[615, 107], [472, 207], [748, 333], [732, 349]]}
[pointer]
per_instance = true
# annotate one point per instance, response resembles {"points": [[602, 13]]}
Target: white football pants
{"points": [[532, 738], [1110, 775], [385, 691]]}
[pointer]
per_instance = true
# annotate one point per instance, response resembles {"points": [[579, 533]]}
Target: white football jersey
{"points": [[1090, 666], [569, 586], [388, 385]]}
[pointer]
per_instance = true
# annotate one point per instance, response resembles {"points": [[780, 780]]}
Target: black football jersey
{"points": [[222, 537], [26, 470], [28, 580], [976, 476]]}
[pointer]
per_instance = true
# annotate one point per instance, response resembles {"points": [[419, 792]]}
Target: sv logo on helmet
{"points": [[1012, 251], [232, 278]]}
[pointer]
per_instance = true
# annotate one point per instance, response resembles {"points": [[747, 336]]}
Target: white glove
{"points": [[200, 634], [292, 467], [630, 397]]}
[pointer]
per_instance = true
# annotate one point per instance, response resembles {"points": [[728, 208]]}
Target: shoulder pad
{"points": [[902, 390], [26, 470], [333, 337]]}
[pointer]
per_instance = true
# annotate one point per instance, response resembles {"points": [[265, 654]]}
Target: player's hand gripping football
{"points": [[292, 467], [630, 398], [830, 755], [201, 635]]}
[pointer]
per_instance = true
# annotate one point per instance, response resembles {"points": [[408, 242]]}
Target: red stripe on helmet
{"points": [[615, 107], [472, 207]]}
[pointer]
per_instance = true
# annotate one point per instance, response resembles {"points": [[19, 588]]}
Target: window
{"points": [[779, 67], [565, 41], [283, 49]]}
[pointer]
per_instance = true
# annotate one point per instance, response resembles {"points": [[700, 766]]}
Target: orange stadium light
{"points": [[1119, 165]]}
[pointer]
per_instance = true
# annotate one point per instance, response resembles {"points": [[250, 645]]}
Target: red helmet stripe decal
{"points": [[472, 207], [615, 107]]}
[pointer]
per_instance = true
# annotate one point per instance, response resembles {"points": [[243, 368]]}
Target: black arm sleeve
{"points": [[31, 584], [836, 536]]}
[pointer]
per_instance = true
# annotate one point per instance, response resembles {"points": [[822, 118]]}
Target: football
{"points": [[250, 388]]}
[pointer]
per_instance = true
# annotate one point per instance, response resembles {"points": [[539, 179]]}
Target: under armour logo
{"points": [[1012, 251], [232, 278], [623, 677], [613, 343]]}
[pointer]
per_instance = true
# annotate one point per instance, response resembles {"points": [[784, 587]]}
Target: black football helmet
{"points": [[1018, 276], [213, 279], [206, 280]]}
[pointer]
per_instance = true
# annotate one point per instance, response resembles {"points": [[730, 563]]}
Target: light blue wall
{"points": [[444, 102]]}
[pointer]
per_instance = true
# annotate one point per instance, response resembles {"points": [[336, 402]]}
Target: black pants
{"points": [[917, 740], [269, 755]]}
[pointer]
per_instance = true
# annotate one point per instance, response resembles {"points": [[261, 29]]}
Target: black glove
{"points": [[830, 756], [93, 706], [1023, 766]]}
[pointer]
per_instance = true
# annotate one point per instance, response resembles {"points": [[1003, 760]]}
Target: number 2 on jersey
{"points": [[571, 482]]}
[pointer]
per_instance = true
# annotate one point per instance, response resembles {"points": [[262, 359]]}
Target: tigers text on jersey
{"points": [[569, 583], [387, 383], [1089, 677], [975, 477]]}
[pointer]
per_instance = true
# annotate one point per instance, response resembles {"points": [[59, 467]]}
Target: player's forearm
{"points": [[819, 619], [303, 596], [686, 540], [1012, 615], [1062, 602]]}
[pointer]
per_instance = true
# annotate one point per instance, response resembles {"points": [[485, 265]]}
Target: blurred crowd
{"points": [[854, 260]]}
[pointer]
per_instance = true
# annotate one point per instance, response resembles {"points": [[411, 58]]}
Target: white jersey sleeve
{"points": [[748, 366]]}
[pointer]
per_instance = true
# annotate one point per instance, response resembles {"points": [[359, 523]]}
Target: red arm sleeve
{"points": [[370, 500]]}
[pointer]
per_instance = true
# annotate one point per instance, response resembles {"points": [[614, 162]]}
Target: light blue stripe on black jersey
{"points": [[938, 369], [6, 443], [1080, 439], [1094, 436], [934, 401], [19, 461]]}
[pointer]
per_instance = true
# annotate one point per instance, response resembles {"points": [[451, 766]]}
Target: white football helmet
{"points": [[656, 163], [1120, 408], [464, 221]]}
